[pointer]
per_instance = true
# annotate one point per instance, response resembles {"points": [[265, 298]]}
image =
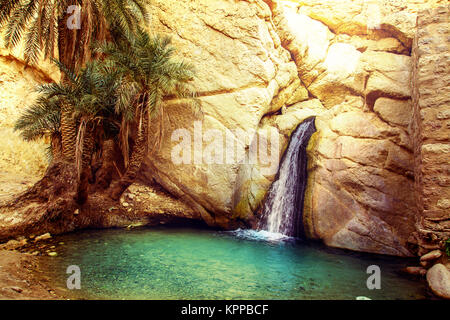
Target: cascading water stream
{"points": [[283, 208]]}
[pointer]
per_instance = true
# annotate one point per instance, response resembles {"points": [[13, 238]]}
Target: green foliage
{"points": [[149, 74], [40, 22], [131, 79], [40, 119], [148, 67], [90, 94]]}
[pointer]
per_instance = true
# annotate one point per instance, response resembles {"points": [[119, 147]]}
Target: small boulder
{"points": [[415, 271], [438, 278], [432, 255], [45, 236]]}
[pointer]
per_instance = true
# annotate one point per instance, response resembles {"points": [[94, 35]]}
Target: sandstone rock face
{"points": [[243, 74], [431, 101], [20, 161], [360, 192], [265, 66]]}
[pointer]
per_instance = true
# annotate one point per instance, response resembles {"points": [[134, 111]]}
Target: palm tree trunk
{"points": [[105, 173], [66, 50], [137, 157], [86, 173], [68, 135], [56, 147]]}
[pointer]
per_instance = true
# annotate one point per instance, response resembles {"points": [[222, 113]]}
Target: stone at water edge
{"points": [[438, 278], [416, 271], [45, 236], [433, 255], [14, 244]]}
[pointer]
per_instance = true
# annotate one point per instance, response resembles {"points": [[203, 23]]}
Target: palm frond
{"points": [[149, 74], [7, 7], [40, 119], [18, 22]]}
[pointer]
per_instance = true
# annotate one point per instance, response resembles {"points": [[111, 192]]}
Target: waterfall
{"points": [[283, 207]]}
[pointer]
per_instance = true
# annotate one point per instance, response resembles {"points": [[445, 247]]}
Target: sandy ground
{"points": [[12, 184], [21, 278], [21, 275]]}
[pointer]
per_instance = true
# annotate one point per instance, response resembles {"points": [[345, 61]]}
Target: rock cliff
{"points": [[431, 120], [265, 66]]}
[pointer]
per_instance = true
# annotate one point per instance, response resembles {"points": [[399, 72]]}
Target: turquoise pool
{"points": [[191, 263]]}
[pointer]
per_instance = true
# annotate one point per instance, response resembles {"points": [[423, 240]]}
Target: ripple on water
{"points": [[259, 235]]}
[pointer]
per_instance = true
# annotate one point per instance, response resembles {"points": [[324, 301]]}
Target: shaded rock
{"points": [[415, 271], [433, 255]]}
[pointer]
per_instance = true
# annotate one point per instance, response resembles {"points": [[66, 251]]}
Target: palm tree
{"points": [[91, 94], [42, 119], [150, 75], [43, 24]]}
